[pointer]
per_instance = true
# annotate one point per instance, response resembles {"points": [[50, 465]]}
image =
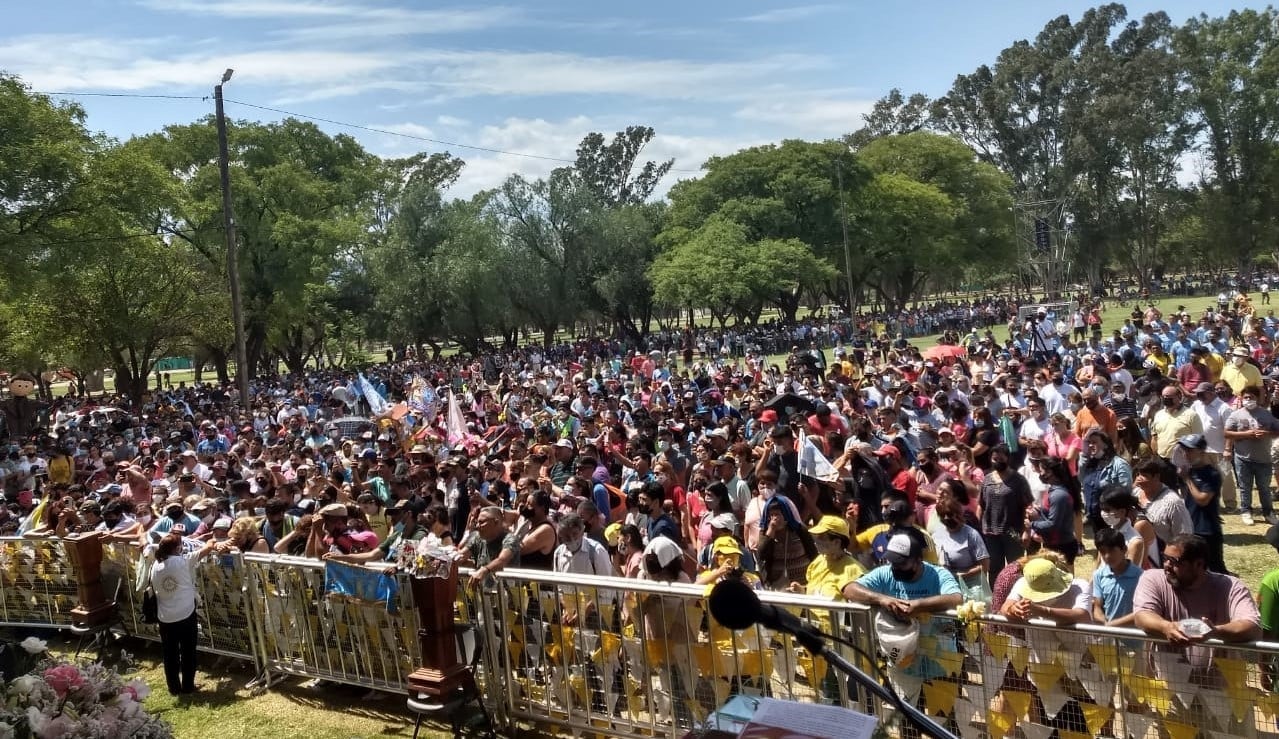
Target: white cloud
{"points": [[72, 62], [470, 73], [408, 129], [793, 13], [811, 117], [452, 121], [81, 62], [251, 8], [557, 140]]}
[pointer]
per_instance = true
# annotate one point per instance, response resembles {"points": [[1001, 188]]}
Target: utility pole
{"points": [[232, 262], [848, 250]]}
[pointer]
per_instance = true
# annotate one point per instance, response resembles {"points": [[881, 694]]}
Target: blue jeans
{"points": [[1249, 473]]}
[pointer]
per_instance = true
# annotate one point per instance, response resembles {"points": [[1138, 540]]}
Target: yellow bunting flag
{"points": [[1107, 658], [577, 683], [1045, 675], [1178, 730], [1151, 691], [998, 724], [940, 695], [1235, 671], [1019, 702], [1019, 656], [1269, 704], [1096, 716], [1241, 698]]}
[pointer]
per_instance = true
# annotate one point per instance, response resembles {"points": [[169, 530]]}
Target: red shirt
{"points": [[904, 482]]}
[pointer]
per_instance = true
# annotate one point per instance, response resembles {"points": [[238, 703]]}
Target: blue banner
{"points": [[359, 582]]}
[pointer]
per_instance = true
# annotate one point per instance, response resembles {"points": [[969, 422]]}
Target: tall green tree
{"points": [[892, 114], [302, 199], [1231, 72], [787, 191], [611, 170]]}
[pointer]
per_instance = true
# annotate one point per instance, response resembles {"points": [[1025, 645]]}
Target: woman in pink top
{"points": [[1062, 442]]}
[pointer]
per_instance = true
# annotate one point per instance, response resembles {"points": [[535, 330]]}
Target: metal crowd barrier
{"points": [[649, 663], [607, 656], [122, 567], [37, 583], [305, 633], [1087, 681], [635, 658]]}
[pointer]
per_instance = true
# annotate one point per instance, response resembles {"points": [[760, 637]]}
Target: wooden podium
{"points": [[85, 553], [441, 673]]}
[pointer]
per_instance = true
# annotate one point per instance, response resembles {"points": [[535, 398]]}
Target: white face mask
{"points": [[158, 499], [1111, 519], [1249, 404], [767, 492], [1238, 361]]}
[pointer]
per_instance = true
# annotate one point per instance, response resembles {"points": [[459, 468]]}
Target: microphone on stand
{"points": [[735, 605]]}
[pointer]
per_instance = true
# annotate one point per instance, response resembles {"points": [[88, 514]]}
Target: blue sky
{"points": [[534, 77]]}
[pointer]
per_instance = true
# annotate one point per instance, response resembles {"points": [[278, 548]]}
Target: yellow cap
{"points": [[831, 525]]}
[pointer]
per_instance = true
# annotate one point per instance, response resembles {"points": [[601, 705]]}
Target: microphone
{"points": [[734, 604]]}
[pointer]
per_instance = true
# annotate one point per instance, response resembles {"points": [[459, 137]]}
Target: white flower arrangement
{"points": [[56, 699]]}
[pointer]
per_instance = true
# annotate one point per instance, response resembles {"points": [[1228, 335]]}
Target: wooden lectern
{"points": [[441, 673], [85, 553]]}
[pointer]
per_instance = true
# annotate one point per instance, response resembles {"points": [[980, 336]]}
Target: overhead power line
{"points": [[120, 95], [334, 122]]}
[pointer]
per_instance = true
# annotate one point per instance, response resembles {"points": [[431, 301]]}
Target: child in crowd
{"points": [[1115, 581]]}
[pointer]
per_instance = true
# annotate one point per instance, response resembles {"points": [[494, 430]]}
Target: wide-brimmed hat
{"points": [[1043, 581]]}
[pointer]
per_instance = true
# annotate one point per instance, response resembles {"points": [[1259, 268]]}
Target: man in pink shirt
{"points": [[1185, 603]]}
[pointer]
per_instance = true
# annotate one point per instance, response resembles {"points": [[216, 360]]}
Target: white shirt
{"points": [[590, 559], [174, 587], [1032, 429], [1213, 419], [1054, 401]]}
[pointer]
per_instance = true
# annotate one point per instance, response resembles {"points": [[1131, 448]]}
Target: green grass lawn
{"points": [[223, 708]]}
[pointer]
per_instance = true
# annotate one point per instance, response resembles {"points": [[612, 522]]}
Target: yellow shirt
{"points": [[866, 539], [827, 578], [1161, 361], [1168, 427], [1239, 378], [1215, 364], [61, 470]]}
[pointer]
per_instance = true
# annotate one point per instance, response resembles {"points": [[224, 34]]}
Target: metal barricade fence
{"points": [[226, 623], [1088, 681], [122, 568], [638, 658], [615, 657], [302, 631], [37, 583]]}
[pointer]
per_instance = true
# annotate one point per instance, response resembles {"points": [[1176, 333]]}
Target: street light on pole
{"points": [[232, 261]]}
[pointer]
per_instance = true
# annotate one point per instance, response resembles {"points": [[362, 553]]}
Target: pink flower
{"points": [[137, 689], [64, 679]]}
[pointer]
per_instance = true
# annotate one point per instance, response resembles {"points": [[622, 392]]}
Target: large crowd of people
{"points": [[980, 469]]}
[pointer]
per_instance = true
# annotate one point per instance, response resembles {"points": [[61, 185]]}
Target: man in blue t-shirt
{"points": [[907, 586]]}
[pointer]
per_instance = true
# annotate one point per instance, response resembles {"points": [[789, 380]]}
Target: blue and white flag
{"points": [[377, 404]]}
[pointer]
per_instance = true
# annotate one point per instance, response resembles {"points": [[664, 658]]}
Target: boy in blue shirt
{"points": [[1115, 580]]}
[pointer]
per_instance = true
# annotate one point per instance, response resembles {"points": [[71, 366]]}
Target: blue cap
{"points": [[1193, 441]]}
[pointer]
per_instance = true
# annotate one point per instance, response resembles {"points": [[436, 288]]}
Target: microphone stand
{"points": [[814, 640]]}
